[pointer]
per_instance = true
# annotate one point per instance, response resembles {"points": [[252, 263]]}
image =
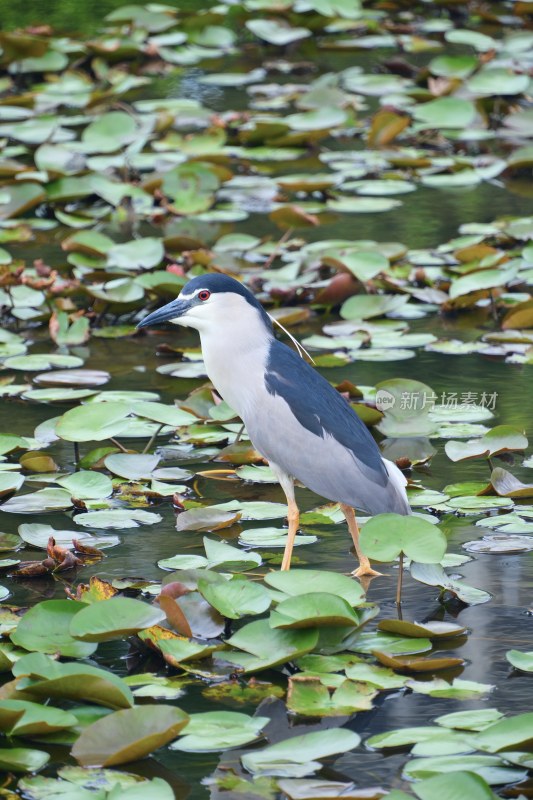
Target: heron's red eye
{"points": [[204, 295]]}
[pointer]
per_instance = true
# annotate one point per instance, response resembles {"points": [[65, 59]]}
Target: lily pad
{"points": [[128, 735], [299, 754], [114, 619], [45, 629], [219, 730], [297, 582], [385, 536]]}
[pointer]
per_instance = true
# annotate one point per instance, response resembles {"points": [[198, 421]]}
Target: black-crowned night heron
{"points": [[303, 427]]}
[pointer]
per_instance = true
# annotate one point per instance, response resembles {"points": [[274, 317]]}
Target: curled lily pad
{"points": [[22, 759], [520, 660], [507, 734], [434, 629], [501, 439], [23, 718], [43, 677], [206, 519]]}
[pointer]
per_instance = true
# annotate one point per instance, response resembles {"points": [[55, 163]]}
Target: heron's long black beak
{"points": [[176, 308]]}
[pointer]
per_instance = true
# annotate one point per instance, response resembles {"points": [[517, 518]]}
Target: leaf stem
{"points": [[117, 444], [400, 584], [154, 437]]}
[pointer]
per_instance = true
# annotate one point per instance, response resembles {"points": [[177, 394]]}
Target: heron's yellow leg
{"points": [[293, 516], [365, 567]]}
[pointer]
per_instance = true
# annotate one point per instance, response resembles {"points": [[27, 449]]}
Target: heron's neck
{"points": [[235, 356]]}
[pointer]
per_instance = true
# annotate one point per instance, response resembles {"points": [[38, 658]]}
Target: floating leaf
{"points": [[276, 32], [300, 752], [520, 660], [94, 422], [308, 696], [128, 735], [45, 629], [236, 598], [219, 730], [43, 677], [313, 609], [296, 582], [22, 759], [87, 485], [117, 518], [385, 536], [114, 619]]}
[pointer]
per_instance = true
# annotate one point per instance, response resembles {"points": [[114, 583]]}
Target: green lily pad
{"points": [[22, 759], [132, 466], [298, 755], [473, 720], [520, 660], [434, 629], [43, 677], [385, 536], [507, 734], [87, 485], [308, 696], [38, 502], [219, 730], [93, 422], [117, 518], [23, 718], [236, 598], [45, 629], [37, 535], [491, 768], [296, 582], [221, 554], [453, 785], [313, 609], [114, 619], [276, 32], [36, 363], [269, 646]]}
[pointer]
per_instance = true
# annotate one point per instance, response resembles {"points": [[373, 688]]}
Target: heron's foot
{"points": [[365, 571]]}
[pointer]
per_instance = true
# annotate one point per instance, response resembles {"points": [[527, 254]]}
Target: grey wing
{"points": [[308, 430]]}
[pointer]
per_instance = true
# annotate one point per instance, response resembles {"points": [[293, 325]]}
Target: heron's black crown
{"points": [[217, 283]]}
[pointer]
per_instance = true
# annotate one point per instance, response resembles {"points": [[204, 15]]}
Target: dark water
{"points": [[426, 218]]}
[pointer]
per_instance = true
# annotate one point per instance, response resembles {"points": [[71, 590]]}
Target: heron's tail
{"points": [[398, 496]]}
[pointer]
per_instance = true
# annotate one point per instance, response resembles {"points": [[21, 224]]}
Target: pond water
{"points": [[426, 218]]}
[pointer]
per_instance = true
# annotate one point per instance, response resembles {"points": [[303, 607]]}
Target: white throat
{"points": [[235, 347]]}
